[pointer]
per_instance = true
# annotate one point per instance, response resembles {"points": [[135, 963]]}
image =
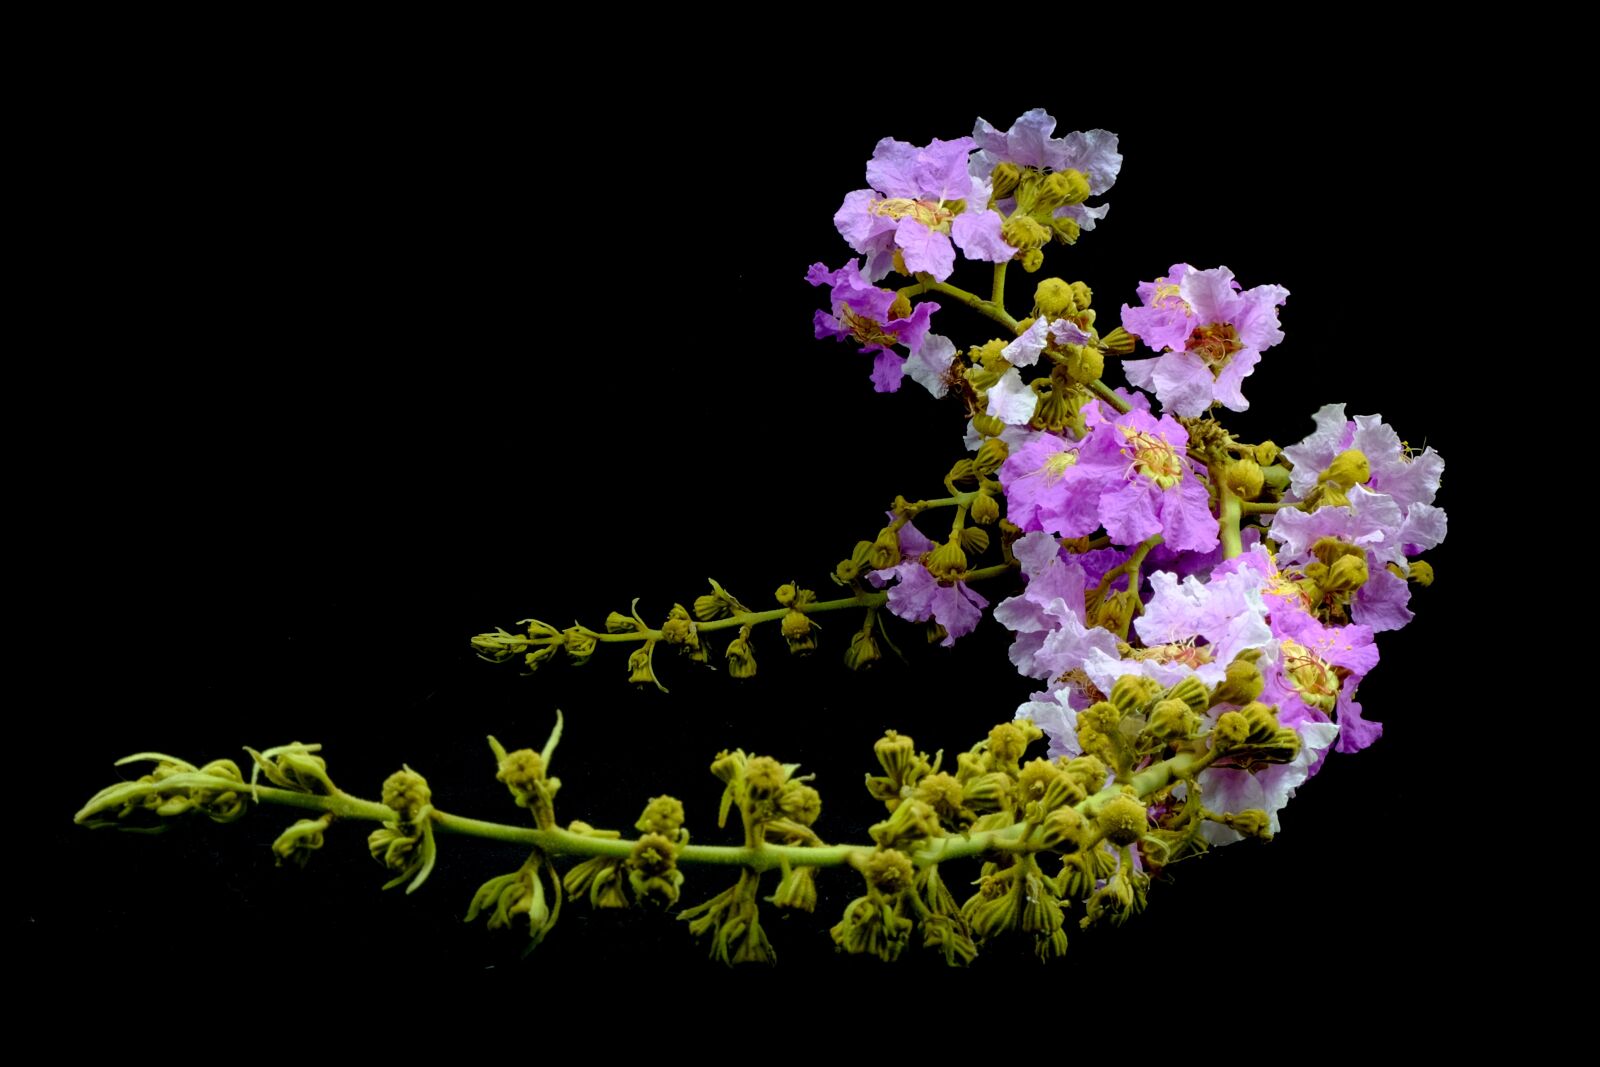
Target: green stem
{"points": [[972, 300], [1103, 391], [763, 857], [1251, 507], [1228, 522], [998, 293]]}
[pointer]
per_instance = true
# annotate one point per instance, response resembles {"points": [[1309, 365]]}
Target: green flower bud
{"points": [[1063, 187], [1054, 298], [945, 796], [988, 425], [680, 631], [1134, 692], [1242, 684], [786, 594], [947, 562], [896, 753], [579, 645], [406, 793], [1089, 772], [988, 792], [1082, 295], [729, 766], [1032, 260], [1421, 572], [1063, 830], [991, 454], [910, 822], [1005, 177], [299, 841], [533, 660], [1231, 730], [1119, 342], [1022, 232], [741, 660], [1348, 469], [652, 870], [1083, 363], [1347, 574], [522, 772], [985, 509], [975, 539], [1252, 822], [800, 803], [618, 623], [1009, 740], [1267, 453], [798, 629], [1123, 820], [1192, 691], [640, 671], [889, 872], [1065, 229], [797, 891], [663, 815], [863, 650], [763, 778], [1172, 720], [1243, 477], [885, 550]]}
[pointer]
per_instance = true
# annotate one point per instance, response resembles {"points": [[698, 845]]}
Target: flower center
{"points": [[1167, 293], [1055, 468], [1153, 456], [1311, 675], [1185, 652], [1215, 344], [932, 214], [865, 330]]}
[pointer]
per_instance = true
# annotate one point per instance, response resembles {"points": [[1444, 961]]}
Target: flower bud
{"points": [[1242, 684], [1119, 342], [741, 660], [1123, 820], [1083, 363], [1349, 468], [975, 539], [1032, 260], [1066, 229], [1192, 691], [1243, 477], [406, 793], [800, 803], [579, 645], [1252, 822], [889, 872], [1421, 572], [885, 550], [663, 815], [988, 425], [618, 623], [1062, 830], [1172, 720], [1132, 692], [1053, 298], [1347, 574], [1005, 177], [991, 454], [797, 891], [863, 650], [947, 562], [785, 594]]}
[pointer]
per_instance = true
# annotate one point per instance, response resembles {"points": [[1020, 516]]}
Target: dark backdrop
{"points": [[381, 367]]}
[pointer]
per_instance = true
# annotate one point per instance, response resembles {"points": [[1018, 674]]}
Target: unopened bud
{"points": [[1421, 572], [1349, 468], [1123, 820], [985, 509]]}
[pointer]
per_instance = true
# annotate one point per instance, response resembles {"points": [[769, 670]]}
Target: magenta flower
{"points": [[1129, 476], [1213, 333], [863, 312], [1029, 144], [911, 206], [917, 596]]}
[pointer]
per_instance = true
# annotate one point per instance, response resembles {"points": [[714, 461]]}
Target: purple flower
{"points": [[866, 313], [918, 596], [911, 207], [1029, 144], [1231, 789], [1213, 333], [1129, 476]]}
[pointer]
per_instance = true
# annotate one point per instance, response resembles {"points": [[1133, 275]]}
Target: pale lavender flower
{"points": [[1029, 143], [864, 313], [1214, 334], [917, 596]]}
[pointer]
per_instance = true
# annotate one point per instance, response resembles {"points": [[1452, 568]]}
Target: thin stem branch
{"points": [[972, 300]]}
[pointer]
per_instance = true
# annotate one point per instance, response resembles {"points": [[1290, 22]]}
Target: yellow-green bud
{"points": [[975, 539], [1242, 684], [618, 623], [728, 766], [663, 815], [1066, 229], [1262, 721], [800, 803], [1007, 742], [1267, 453], [797, 891], [796, 625], [1063, 830], [962, 470], [680, 631], [1032, 260], [911, 821], [944, 795], [885, 550], [863, 650], [652, 870], [1119, 342], [405, 792], [786, 594], [1132, 692], [985, 509], [987, 792], [991, 454], [1054, 298], [1172, 720], [1064, 187], [579, 645], [538, 656], [763, 778], [1244, 477], [1020, 231], [947, 562], [889, 872], [741, 660], [1231, 730], [299, 841], [1035, 779], [1123, 820], [522, 771], [1089, 772], [1083, 295], [1421, 572], [1083, 363], [1347, 573], [1101, 716], [639, 671], [1005, 177], [1252, 822], [895, 752], [988, 425], [1192, 691], [1349, 468]]}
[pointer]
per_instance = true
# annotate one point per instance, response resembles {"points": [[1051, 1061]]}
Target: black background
{"points": [[387, 360]]}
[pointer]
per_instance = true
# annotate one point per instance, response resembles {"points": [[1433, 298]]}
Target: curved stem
{"points": [[1103, 391], [1228, 521], [972, 300]]}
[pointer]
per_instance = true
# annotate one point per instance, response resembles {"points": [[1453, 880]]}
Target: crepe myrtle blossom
{"points": [[1011, 400], [1391, 515], [1234, 789], [1128, 474], [1189, 629], [1312, 670], [919, 200], [918, 596], [1213, 335], [876, 318], [1028, 143]]}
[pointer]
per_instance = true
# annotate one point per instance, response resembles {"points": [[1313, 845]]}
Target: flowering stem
{"points": [[1252, 507], [972, 300], [1103, 391], [1228, 522], [761, 857], [998, 294]]}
